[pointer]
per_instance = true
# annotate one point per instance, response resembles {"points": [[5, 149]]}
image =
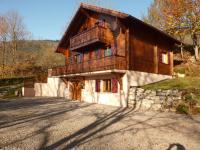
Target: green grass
{"points": [[177, 83], [180, 69]]}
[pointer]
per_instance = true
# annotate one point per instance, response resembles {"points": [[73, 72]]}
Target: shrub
{"points": [[191, 99], [182, 108], [180, 69]]}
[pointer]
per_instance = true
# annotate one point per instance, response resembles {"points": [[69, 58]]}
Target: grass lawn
{"points": [[177, 83]]}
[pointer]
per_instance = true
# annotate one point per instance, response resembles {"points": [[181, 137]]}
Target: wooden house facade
{"points": [[108, 52]]}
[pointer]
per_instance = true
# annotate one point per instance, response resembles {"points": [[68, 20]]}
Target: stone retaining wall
{"points": [[141, 99]]}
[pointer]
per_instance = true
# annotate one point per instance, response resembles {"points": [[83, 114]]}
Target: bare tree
{"points": [[16, 31], [3, 40]]}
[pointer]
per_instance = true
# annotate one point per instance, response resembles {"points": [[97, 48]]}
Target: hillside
{"points": [[30, 56], [42, 52], [36, 52]]}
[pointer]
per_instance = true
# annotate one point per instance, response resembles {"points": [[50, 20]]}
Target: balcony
{"points": [[93, 35], [106, 63]]}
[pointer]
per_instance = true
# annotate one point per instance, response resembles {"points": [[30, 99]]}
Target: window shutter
{"points": [[160, 55], [113, 49], [90, 55], [97, 86], [109, 85], [99, 53], [168, 57], [104, 86], [71, 59], [114, 85]]}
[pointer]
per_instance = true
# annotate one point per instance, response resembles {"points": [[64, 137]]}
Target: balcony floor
{"points": [[85, 74]]}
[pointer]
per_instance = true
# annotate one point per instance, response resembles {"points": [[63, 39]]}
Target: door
{"points": [[76, 91]]}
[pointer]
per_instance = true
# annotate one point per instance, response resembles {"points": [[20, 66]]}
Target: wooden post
{"points": [[171, 54], [155, 59], [119, 79], [127, 49]]}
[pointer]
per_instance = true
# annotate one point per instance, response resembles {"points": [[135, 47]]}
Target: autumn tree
{"points": [[192, 22], [182, 18], [173, 16], [176, 17], [155, 15]]}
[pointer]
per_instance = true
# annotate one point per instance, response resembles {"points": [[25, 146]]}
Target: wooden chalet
{"points": [[108, 52]]}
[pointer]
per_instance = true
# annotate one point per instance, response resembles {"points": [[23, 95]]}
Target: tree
{"points": [[174, 16], [16, 31], [178, 18], [192, 22], [3, 39]]}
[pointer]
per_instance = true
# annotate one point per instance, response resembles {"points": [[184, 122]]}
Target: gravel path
{"points": [[50, 123]]}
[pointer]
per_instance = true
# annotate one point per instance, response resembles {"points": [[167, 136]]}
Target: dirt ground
{"points": [[53, 123]]}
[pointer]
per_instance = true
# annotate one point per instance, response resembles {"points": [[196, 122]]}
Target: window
{"points": [[79, 58], [71, 59], [164, 57], [108, 52], [97, 88], [101, 23], [107, 85]]}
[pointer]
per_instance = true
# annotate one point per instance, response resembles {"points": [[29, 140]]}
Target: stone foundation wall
{"points": [[141, 99]]}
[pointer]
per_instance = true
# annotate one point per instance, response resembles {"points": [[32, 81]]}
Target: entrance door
{"points": [[76, 91]]}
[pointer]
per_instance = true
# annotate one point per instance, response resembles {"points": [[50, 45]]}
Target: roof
{"points": [[114, 13]]}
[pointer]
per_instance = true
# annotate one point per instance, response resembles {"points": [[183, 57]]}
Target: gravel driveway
{"points": [[53, 123]]}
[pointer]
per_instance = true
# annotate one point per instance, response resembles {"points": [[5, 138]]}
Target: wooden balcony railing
{"points": [[87, 37], [106, 63]]}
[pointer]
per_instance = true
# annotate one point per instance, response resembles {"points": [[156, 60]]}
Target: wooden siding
{"points": [[145, 49]]}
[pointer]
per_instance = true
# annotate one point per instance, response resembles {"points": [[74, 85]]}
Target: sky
{"points": [[47, 19]]}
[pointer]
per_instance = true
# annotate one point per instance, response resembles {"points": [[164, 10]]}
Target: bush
{"points": [[180, 69], [182, 108], [191, 99]]}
